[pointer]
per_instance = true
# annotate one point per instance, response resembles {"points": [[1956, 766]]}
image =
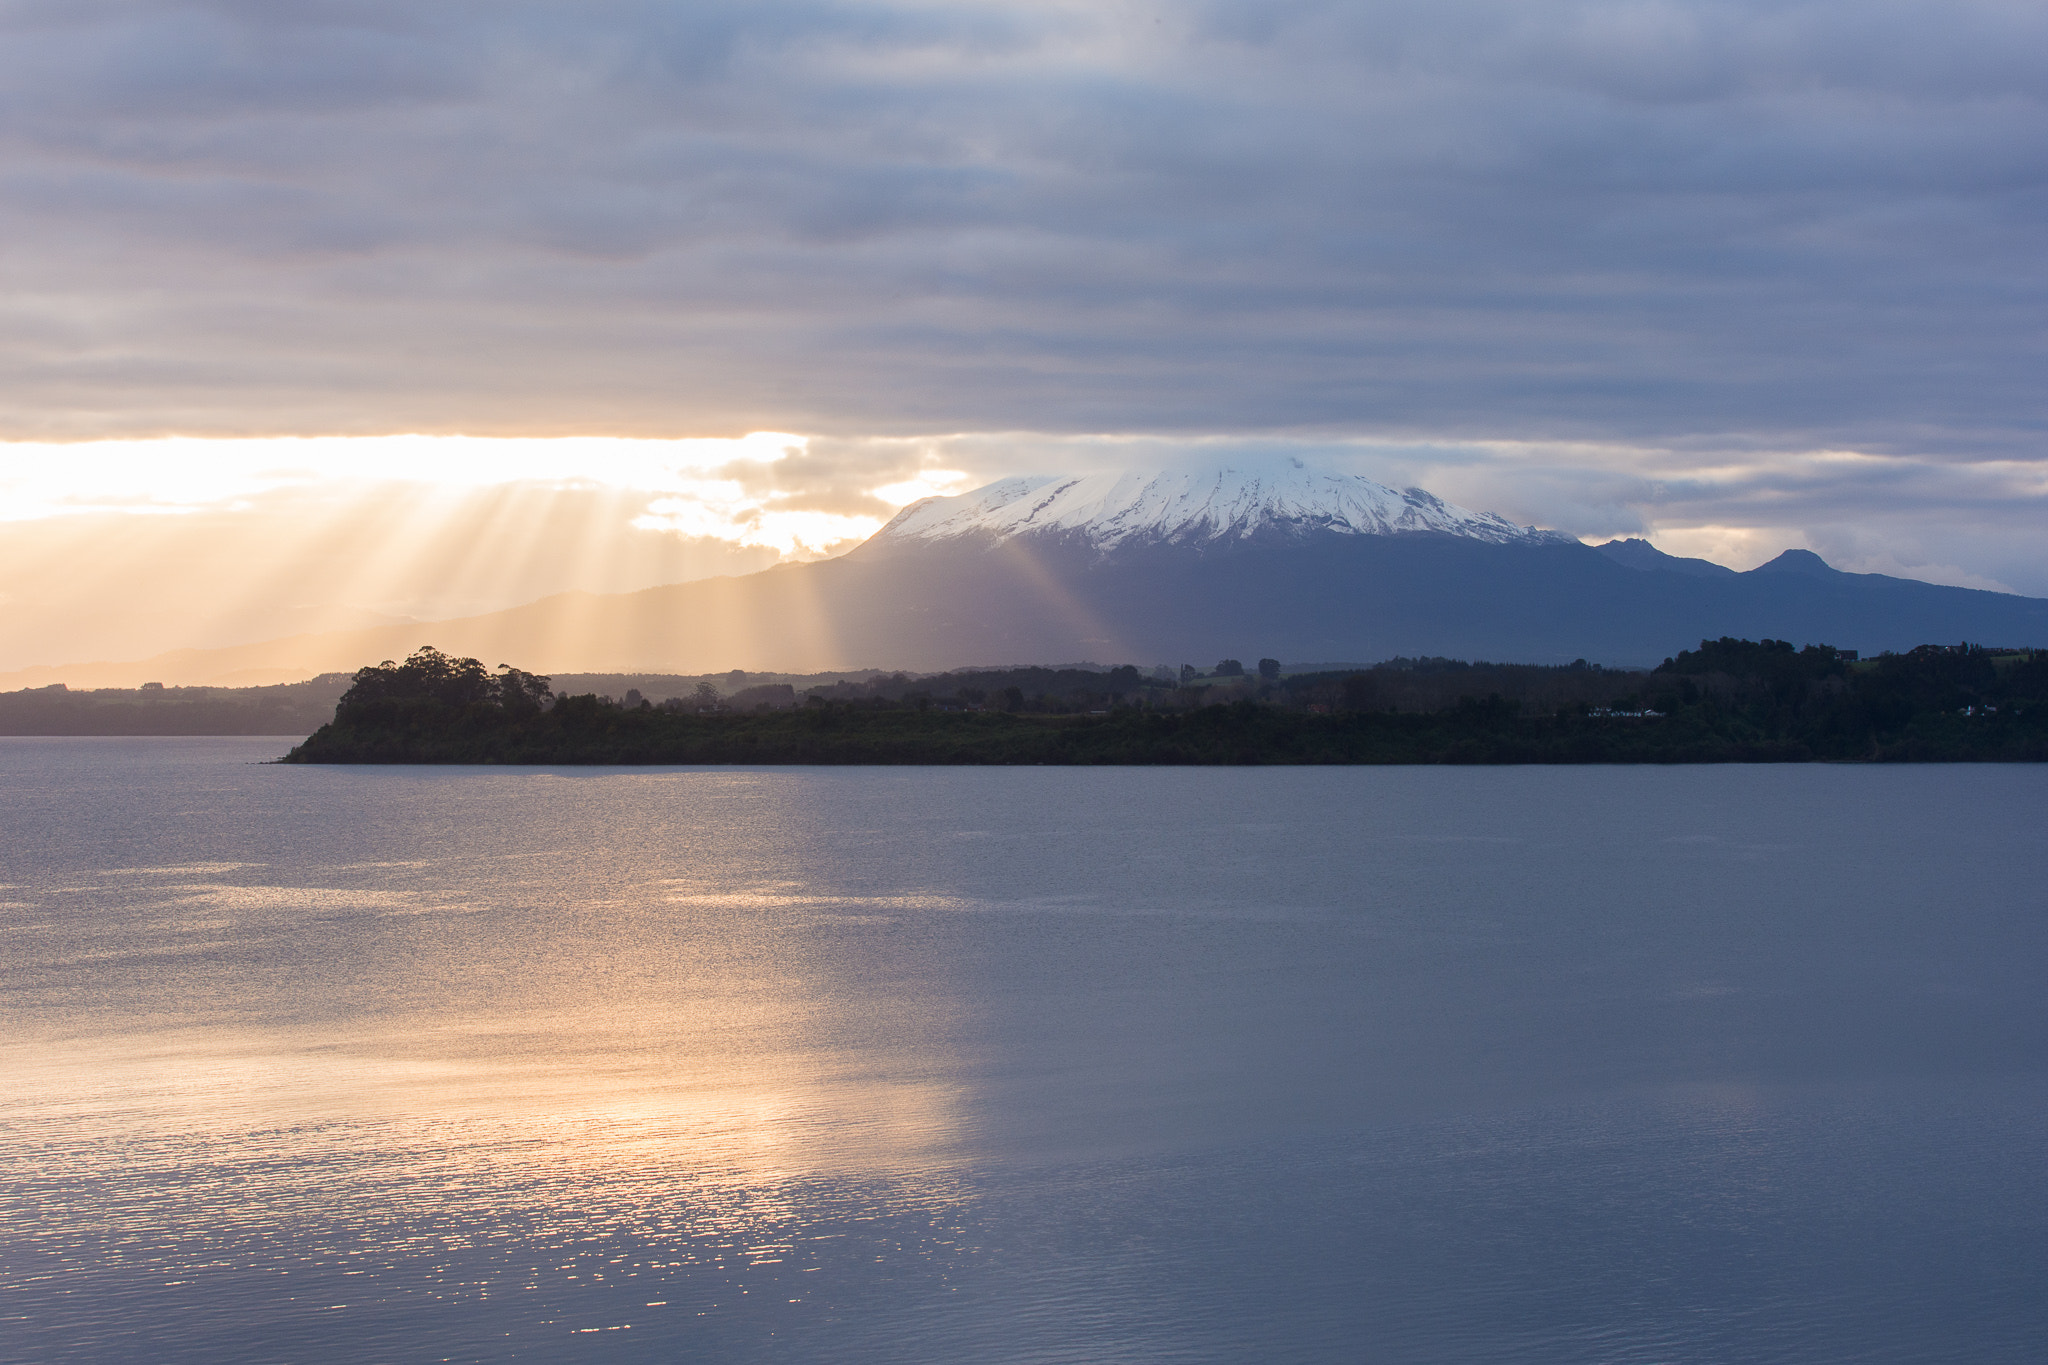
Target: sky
{"points": [[660, 290]]}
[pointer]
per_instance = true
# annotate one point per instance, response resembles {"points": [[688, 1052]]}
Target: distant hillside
{"points": [[300, 708], [287, 709]]}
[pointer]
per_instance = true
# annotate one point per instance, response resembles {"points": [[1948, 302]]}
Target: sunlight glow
{"points": [[725, 509], [1738, 547], [125, 549], [720, 488], [929, 483], [182, 473]]}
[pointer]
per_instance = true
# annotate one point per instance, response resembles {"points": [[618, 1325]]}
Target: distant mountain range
{"points": [[1184, 566]]}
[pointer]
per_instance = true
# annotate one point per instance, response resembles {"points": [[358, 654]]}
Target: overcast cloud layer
{"points": [[1812, 224], [1616, 265]]}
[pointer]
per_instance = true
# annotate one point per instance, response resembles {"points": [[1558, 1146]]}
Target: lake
{"points": [[1031, 1064]]}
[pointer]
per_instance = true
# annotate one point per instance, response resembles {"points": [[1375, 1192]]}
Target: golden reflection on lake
{"points": [[1534, 1066]]}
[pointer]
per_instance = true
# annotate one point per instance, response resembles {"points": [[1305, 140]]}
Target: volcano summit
{"points": [[1193, 508]]}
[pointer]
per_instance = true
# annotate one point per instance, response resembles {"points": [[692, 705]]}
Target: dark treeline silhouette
{"points": [[1042, 691], [435, 681], [1729, 700], [1424, 685]]}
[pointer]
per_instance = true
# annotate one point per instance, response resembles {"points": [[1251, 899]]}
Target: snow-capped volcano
{"points": [[1194, 507]]}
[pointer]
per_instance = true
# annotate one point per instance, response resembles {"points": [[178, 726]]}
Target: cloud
{"points": [[177, 474], [1810, 224]]}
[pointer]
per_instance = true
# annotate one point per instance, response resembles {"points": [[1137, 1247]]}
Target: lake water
{"points": [[1505, 1065]]}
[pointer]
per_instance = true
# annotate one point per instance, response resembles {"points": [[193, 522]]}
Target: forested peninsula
{"points": [[1728, 701]]}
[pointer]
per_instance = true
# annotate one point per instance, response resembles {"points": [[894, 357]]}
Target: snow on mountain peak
{"points": [[1194, 506]]}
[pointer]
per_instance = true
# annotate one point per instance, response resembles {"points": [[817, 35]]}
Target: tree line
{"points": [[1729, 700]]}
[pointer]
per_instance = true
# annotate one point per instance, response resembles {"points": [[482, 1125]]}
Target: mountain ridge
{"points": [[1155, 569], [1637, 553]]}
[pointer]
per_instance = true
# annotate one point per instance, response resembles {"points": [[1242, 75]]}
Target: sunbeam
{"points": [[127, 549]]}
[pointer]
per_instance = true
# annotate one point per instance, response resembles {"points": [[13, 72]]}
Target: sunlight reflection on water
{"points": [[1545, 1065]]}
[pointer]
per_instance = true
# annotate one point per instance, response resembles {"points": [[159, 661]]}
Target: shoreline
{"points": [[1242, 734]]}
